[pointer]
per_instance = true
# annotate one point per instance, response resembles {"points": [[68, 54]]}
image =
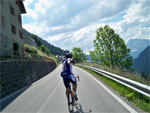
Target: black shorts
{"points": [[67, 79]]}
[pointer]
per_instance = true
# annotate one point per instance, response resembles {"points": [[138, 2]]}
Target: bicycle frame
{"points": [[72, 100], [71, 96]]}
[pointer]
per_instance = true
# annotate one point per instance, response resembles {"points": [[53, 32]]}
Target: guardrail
{"points": [[141, 88]]}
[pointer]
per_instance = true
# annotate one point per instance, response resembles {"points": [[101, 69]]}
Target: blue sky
{"points": [[70, 23]]}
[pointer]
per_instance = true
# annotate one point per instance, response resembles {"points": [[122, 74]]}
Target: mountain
{"points": [[142, 62], [26, 32], [53, 49], [137, 46]]}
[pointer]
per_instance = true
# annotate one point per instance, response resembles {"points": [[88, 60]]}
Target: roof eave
{"points": [[23, 10]]}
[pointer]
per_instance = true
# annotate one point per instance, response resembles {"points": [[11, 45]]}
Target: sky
{"points": [[73, 23]]}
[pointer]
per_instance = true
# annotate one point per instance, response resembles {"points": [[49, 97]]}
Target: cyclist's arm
{"points": [[70, 61]]}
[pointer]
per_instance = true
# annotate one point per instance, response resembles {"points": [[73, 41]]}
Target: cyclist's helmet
{"points": [[68, 55]]}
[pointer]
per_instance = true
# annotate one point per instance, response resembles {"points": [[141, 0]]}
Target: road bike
{"points": [[72, 101]]}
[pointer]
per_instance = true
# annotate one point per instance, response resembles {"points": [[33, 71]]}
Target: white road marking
{"points": [[50, 96], [131, 110]]}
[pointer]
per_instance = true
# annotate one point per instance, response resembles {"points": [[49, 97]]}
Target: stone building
{"points": [[11, 36]]}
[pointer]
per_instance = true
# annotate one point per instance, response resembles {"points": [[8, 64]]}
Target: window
{"points": [[15, 49], [13, 29], [21, 34], [12, 11], [19, 18], [3, 22]]}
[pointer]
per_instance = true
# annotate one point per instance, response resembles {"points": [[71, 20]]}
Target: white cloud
{"points": [[74, 14], [74, 22], [27, 2], [82, 38], [136, 23], [38, 30], [134, 50], [138, 10], [30, 13]]}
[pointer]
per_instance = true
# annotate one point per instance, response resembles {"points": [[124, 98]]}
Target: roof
{"points": [[22, 8]]}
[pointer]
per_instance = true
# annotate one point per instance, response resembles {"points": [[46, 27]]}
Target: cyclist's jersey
{"points": [[70, 76], [67, 67]]}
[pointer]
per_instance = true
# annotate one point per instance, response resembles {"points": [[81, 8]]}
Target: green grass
{"points": [[137, 99], [40, 53], [54, 58]]}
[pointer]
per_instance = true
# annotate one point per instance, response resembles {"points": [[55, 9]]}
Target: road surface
{"points": [[47, 95]]}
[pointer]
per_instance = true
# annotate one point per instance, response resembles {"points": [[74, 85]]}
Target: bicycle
{"points": [[72, 100]]}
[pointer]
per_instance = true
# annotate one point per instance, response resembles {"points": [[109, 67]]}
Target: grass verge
{"points": [[137, 99], [40, 53]]}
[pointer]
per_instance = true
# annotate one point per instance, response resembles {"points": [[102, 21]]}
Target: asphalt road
{"points": [[47, 95]]}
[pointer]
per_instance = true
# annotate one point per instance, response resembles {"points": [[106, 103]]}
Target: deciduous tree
{"points": [[110, 49], [78, 54]]}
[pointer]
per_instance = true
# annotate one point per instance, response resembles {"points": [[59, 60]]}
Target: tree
{"points": [[78, 54], [44, 49], [110, 49]]}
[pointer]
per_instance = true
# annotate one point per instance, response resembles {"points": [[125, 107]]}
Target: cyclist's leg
{"points": [[66, 83], [75, 87], [67, 94], [74, 82], [75, 90]]}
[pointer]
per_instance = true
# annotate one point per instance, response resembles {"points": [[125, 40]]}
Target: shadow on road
{"points": [[10, 98], [78, 109]]}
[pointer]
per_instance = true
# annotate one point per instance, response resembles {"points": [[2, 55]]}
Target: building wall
{"points": [[7, 38]]}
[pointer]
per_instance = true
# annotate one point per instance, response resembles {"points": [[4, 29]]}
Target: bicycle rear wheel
{"points": [[70, 104]]}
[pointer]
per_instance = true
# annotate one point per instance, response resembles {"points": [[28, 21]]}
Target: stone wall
{"points": [[16, 74]]}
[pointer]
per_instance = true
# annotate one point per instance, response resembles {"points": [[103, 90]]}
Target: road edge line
{"points": [[131, 110]]}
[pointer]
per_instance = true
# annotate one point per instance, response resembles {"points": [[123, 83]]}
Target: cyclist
{"points": [[68, 75]]}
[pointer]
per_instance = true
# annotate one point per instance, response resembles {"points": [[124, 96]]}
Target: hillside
{"points": [[142, 62], [53, 49], [137, 46]]}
